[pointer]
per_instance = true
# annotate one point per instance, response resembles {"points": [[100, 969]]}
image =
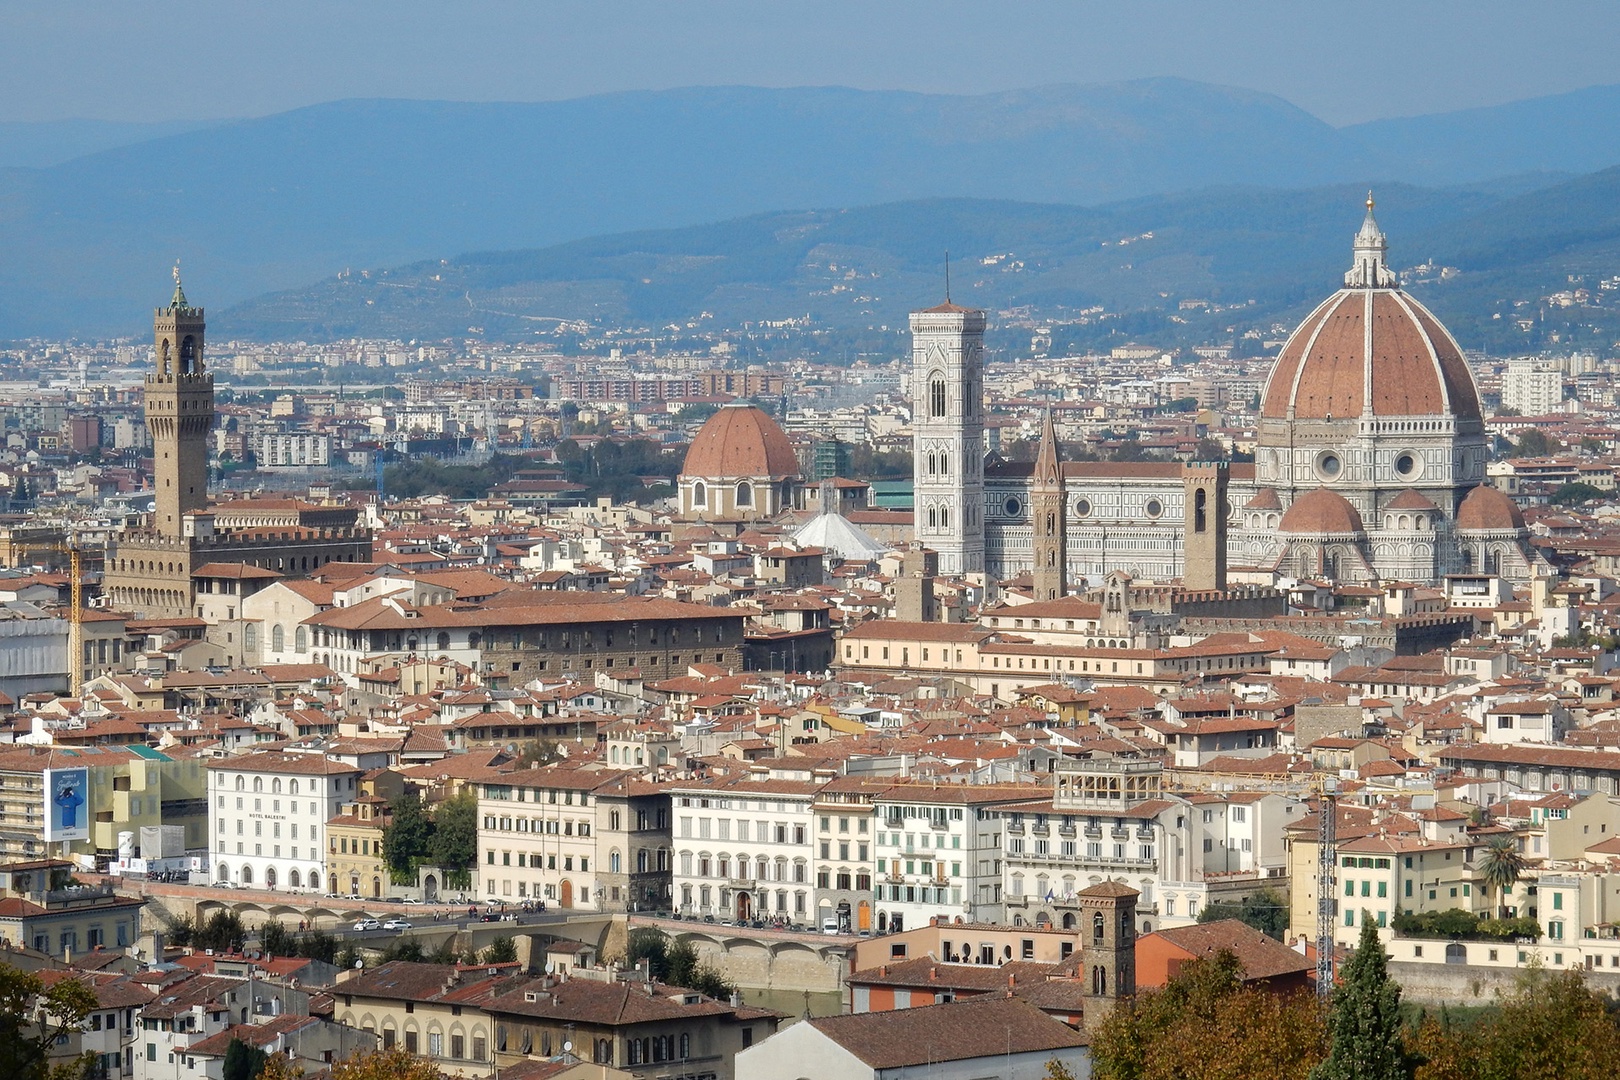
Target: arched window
{"points": [[294, 788], [190, 362], [700, 494], [944, 517], [444, 640], [936, 396], [275, 786], [931, 469], [315, 880], [250, 636], [1200, 510], [1097, 927], [241, 782], [258, 784], [293, 880], [247, 874], [745, 493], [1099, 980], [224, 872], [301, 640], [278, 638], [473, 639], [933, 517]]}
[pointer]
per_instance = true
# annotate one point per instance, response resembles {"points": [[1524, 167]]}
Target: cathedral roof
{"points": [[1370, 350], [1410, 500], [1321, 512], [1486, 509], [740, 440], [1264, 499]]}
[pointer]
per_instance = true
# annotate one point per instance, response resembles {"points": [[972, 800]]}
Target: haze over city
{"points": [[724, 541]]}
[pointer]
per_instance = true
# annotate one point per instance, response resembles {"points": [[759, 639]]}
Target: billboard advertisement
{"points": [[67, 804]]}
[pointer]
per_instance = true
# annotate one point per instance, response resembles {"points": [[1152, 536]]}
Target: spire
{"points": [[1369, 269], [179, 298], [1048, 461]]}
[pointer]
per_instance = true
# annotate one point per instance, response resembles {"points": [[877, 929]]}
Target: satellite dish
{"points": [[549, 964], [359, 962], [568, 1047]]}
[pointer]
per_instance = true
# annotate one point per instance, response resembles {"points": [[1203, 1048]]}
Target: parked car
{"points": [[368, 924], [410, 900], [396, 924]]}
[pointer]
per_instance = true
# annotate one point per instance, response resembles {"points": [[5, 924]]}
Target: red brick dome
{"points": [[1321, 512], [740, 440], [1485, 509], [1370, 350]]}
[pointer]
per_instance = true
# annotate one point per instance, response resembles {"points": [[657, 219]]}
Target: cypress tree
{"points": [[1366, 1021]]}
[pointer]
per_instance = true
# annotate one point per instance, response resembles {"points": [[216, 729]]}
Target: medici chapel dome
{"points": [[1370, 350], [741, 440]]}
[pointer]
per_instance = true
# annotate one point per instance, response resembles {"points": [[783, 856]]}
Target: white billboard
{"points": [[67, 804]]}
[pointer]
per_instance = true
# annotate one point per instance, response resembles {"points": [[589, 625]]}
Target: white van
{"points": [[829, 926]]}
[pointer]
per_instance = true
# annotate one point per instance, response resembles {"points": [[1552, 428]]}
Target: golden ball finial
{"points": [[1369, 200]]}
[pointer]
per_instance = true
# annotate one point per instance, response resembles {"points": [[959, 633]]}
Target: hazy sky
{"points": [[1343, 61]]}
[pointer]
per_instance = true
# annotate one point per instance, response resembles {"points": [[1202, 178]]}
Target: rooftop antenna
{"points": [[947, 277]]}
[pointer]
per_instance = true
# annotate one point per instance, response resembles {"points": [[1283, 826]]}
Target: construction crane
{"points": [[1327, 809]]}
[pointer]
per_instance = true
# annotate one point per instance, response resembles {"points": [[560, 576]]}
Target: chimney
{"points": [[933, 973], [1012, 979]]}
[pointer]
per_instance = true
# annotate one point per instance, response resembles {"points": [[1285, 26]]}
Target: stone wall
{"points": [[1473, 984]]}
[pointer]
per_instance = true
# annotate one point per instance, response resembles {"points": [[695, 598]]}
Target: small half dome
{"points": [[1321, 513], [1485, 509]]}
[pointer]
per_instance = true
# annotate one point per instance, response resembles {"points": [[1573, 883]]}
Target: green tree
{"points": [[182, 930], [347, 956], [503, 950], [1553, 1024], [1056, 1070], [1534, 443], [1206, 1024], [275, 940], [243, 1062], [33, 1018], [1500, 868], [406, 837], [652, 945], [539, 752], [454, 846], [223, 932], [405, 948], [1266, 911], [1576, 493], [318, 945], [680, 964], [1368, 1042]]}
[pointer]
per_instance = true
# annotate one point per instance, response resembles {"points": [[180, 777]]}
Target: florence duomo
{"points": [[1369, 462]]}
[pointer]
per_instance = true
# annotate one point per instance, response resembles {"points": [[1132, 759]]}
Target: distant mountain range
{"points": [[271, 203], [1260, 254]]}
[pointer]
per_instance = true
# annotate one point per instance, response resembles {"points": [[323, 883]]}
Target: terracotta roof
{"points": [[740, 440], [1262, 957], [1415, 367], [1321, 512], [1410, 500], [1486, 508], [1264, 499], [985, 1026]]}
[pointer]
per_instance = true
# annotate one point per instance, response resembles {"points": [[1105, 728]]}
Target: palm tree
{"points": [[1500, 868]]}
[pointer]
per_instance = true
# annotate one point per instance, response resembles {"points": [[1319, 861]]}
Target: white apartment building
{"points": [[537, 836], [939, 852], [294, 450], [744, 848], [1531, 389], [267, 815]]}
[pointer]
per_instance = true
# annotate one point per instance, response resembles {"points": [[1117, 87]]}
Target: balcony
{"points": [[894, 875], [1120, 832], [1041, 830], [1066, 831], [1094, 832], [1014, 830], [747, 883]]}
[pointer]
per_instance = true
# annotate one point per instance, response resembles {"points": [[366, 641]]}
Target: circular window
{"points": [[1406, 465], [1082, 508], [1012, 506], [1328, 465], [1154, 508]]}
